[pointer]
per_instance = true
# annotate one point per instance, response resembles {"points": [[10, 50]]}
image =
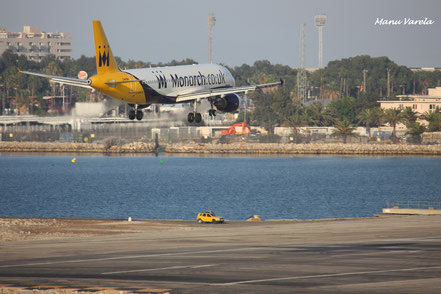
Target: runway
{"points": [[378, 255]]}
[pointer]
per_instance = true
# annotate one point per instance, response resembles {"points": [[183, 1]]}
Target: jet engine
{"points": [[228, 103]]}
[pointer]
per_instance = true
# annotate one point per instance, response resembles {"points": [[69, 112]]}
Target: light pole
{"points": [[388, 83], [364, 80], [211, 23], [320, 22]]}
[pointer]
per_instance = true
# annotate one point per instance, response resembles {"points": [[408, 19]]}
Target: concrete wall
{"points": [[411, 211]]}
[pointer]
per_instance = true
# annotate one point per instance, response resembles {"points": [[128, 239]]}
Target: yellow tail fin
{"points": [[105, 62]]}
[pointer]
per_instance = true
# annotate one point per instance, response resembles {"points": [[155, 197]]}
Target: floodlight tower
{"points": [[320, 22], [211, 22], [301, 76]]}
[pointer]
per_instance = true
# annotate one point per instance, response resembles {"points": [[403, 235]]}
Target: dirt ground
{"points": [[17, 229]]}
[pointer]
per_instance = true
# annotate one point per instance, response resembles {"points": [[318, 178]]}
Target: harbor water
{"points": [[175, 187]]}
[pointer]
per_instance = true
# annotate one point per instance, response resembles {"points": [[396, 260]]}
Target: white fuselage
{"points": [[172, 81]]}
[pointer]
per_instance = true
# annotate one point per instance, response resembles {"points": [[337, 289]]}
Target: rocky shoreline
{"points": [[336, 148], [235, 148]]}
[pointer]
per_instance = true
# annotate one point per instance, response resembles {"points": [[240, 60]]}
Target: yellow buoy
{"points": [[74, 160]]}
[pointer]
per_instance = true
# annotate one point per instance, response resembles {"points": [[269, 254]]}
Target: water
{"points": [[234, 187]]}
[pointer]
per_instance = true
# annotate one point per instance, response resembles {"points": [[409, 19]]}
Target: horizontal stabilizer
{"points": [[61, 80]]}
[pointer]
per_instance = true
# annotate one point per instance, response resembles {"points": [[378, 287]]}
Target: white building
{"points": [[418, 103], [35, 44]]}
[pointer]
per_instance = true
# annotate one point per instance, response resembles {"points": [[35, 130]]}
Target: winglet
{"points": [[19, 71], [282, 82]]}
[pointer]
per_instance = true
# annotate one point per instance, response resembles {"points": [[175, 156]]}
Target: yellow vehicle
{"points": [[209, 217]]}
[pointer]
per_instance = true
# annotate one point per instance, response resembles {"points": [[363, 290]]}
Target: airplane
{"points": [[143, 87]]}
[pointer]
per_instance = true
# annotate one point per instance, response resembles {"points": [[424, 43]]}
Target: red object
{"points": [[246, 130]]}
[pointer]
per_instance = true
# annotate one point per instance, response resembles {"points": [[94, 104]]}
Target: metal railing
{"points": [[413, 204]]}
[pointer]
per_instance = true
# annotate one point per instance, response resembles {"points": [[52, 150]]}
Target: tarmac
{"points": [[386, 254]]}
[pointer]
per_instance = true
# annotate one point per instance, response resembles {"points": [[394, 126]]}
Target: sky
{"points": [[245, 30]]}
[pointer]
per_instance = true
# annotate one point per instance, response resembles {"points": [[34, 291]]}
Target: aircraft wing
{"points": [[222, 91], [61, 80]]}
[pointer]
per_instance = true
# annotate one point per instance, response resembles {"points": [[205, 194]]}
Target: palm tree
{"points": [[344, 128], [294, 117], [54, 69], [415, 130], [295, 121], [409, 116], [434, 120], [370, 117], [393, 116], [318, 115]]}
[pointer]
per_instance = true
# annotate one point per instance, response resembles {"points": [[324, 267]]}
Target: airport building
{"points": [[35, 44], [418, 103]]}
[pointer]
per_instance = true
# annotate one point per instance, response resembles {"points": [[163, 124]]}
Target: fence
{"points": [[98, 133], [413, 204]]}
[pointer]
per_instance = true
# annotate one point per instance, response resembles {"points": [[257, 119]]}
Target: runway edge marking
{"points": [[131, 257], [327, 275]]}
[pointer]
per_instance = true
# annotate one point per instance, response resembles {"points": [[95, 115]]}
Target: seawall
{"points": [[336, 148], [236, 148]]}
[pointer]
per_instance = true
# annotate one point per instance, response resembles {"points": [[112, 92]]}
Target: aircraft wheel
{"points": [[139, 115], [132, 114], [200, 221], [190, 117], [197, 117]]}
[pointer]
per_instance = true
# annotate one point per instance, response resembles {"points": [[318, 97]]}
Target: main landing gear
{"points": [[135, 113], [195, 116]]}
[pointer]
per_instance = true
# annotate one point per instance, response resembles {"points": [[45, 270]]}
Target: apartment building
{"points": [[35, 44]]}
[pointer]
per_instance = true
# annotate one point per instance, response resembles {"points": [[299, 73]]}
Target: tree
{"points": [[409, 116], [434, 120], [343, 109], [295, 118], [244, 116], [23, 101], [318, 115], [271, 108], [11, 80], [370, 117], [393, 116], [415, 130], [344, 128]]}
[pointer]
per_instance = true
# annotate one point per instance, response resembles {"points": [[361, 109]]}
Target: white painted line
{"points": [[330, 275], [157, 269], [391, 252], [201, 266], [132, 257], [145, 270]]}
